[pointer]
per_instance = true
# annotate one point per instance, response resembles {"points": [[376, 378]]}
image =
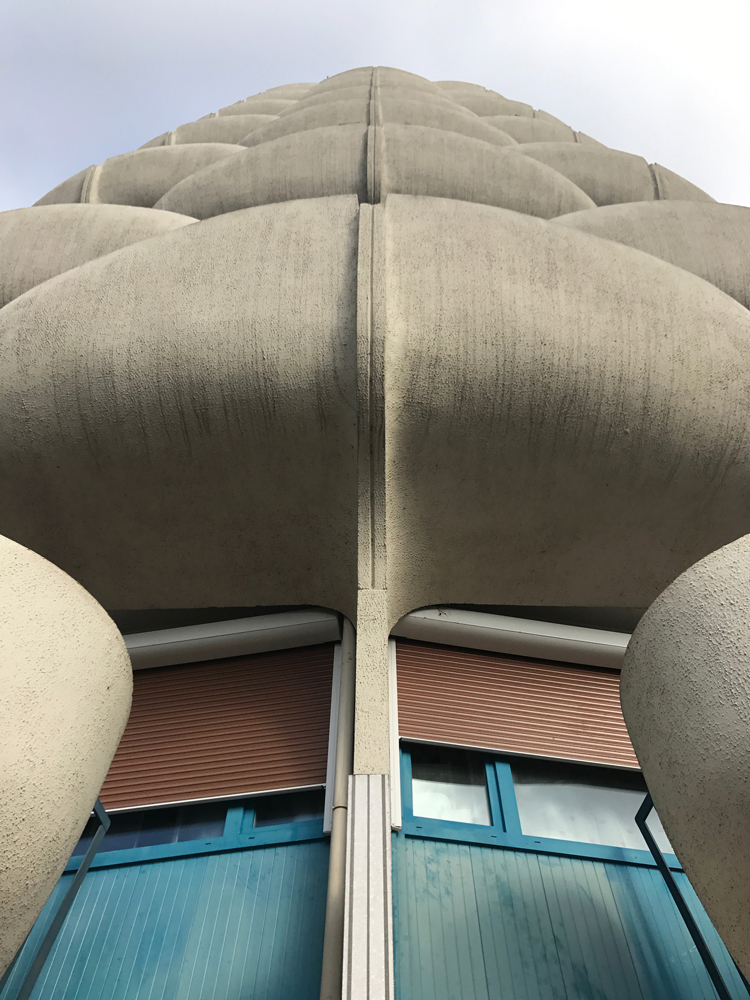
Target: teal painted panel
{"points": [[247, 924], [479, 923]]}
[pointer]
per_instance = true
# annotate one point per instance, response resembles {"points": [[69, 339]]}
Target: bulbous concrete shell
{"points": [[38, 243], [712, 241], [228, 129], [187, 362], [66, 683], [608, 176], [404, 360], [371, 163], [686, 698]]}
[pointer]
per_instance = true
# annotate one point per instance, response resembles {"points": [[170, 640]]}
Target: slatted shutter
{"points": [[228, 727], [497, 702]]}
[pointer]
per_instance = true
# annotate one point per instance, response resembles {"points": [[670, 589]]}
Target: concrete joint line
{"points": [[370, 391], [655, 181], [90, 189]]}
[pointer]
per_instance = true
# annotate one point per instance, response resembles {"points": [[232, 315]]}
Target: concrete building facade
{"points": [[418, 375]]}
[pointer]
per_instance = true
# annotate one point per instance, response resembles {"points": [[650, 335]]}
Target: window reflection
{"points": [[203, 821], [450, 785], [591, 805], [294, 807], [148, 827]]}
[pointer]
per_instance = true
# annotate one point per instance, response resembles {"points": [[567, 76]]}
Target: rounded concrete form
{"points": [[490, 103], [586, 140], [66, 683], [289, 91], [38, 243], [582, 366], [371, 163], [711, 240], [377, 378], [228, 129], [531, 129], [140, 178], [260, 105], [317, 163], [215, 367], [671, 186], [462, 86], [70, 190], [225, 353], [685, 695], [608, 176], [382, 75], [366, 93], [383, 110]]}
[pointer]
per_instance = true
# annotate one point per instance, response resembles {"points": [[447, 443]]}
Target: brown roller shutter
{"points": [[228, 727], [506, 703]]}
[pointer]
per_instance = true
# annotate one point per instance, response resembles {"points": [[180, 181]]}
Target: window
{"points": [[203, 821], [449, 784], [594, 805], [525, 803]]}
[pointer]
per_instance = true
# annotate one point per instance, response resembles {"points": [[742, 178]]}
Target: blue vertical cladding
{"points": [[479, 923], [233, 926]]}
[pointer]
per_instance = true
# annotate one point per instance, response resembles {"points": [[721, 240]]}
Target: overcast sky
{"points": [[82, 80]]}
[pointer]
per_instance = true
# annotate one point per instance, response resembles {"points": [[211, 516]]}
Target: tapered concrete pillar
{"points": [[65, 688]]}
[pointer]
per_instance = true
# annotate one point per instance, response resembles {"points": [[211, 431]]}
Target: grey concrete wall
{"points": [[710, 240], [38, 243], [66, 683]]}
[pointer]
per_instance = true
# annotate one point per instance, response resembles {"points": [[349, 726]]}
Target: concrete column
{"points": [[368, 929]]}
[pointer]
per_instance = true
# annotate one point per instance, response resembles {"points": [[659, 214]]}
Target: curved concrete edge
{"points": [[686, 700], [709, 239], [66, 685], [39, 243]]}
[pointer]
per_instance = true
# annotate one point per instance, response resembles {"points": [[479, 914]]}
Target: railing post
{"points": [[700, 942], [62, 911]]}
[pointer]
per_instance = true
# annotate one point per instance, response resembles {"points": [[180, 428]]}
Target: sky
{"points": [[82, 80]]}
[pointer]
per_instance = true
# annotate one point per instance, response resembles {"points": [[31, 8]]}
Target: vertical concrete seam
{"points": [[655, 181], [364, 363], [378, 289], [90, 188]]}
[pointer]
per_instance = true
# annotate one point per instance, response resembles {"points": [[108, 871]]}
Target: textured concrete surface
{"points": [[554, 408], [228, 129], [610, 176], [140, 178], [192, 396], [531, 129], [375, 377], [371, 163], [184, 361], [38, 243], [260, 105], [66, 682], [711, 240], [377, 111], [686, 699]]}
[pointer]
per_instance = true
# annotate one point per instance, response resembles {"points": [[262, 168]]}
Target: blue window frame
{"points": [[504, 829], [146, 835]]}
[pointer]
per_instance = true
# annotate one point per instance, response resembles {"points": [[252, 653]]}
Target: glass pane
{"points": [[592, 805], [148, 827], [450, 785], [291, 807]]}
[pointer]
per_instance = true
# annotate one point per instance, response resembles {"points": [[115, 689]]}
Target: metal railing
{"points": [[700, 942], [61, 913]]}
